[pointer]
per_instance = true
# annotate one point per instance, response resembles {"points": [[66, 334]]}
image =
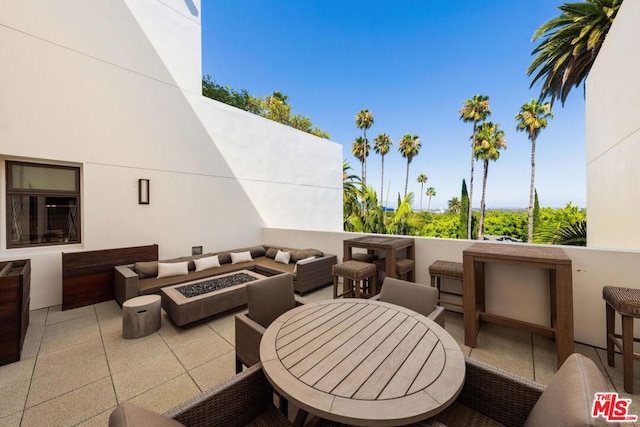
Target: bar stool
{"points": [[625, 301], [361, 274], [446, 270], [404, 268]]}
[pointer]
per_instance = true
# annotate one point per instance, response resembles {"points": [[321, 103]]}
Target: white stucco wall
{"points": [[613, 136], [114, 87], [513, 291]]}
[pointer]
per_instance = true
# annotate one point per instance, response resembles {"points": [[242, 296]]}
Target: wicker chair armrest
{"points": [[248, 336], [498, 394], [234, 402], [125, 283]]}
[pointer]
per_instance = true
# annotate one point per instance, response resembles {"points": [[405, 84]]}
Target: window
{"points": [[43, 204]]}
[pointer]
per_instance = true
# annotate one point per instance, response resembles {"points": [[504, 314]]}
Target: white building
{"points": [[112, 91], [613, 136]]}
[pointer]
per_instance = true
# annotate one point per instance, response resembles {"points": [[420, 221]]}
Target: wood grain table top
{"points": [[362, 362], [380, 242], [518, 252]]}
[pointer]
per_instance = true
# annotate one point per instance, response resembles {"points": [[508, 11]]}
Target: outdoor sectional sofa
{"points": [[308, 274]]}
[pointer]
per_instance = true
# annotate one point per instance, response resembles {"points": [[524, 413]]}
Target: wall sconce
{"points": [[143, 191]]}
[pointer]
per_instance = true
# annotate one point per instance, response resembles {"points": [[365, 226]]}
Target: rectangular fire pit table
{"points": [[183, 310]]}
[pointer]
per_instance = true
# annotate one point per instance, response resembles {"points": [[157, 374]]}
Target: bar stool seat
{"points": [[363, 275], [447, 270], [404, 267], [625, 301], [364, 257]]}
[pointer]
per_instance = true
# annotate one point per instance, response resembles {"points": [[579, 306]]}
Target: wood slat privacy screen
{"points": [[87, 277]]}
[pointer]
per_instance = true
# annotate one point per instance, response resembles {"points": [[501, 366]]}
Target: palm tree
{"points": [[532, 118], [571, 42], [488, 140], [400, 220], [474, 110], [454, 205], [351, 192], [364, 120], [360, 149], [409, 148], [422, 178], [430, 193], [382, 146]]}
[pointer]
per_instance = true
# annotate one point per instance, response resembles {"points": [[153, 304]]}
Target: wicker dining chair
{"points": [[246, 398], [266, 300], [493, 397], [420, 298]]}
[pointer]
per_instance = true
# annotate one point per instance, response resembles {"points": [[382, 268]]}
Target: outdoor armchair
{"points": [[266, 300], [492, 397], [243, 399], [420, 298]]}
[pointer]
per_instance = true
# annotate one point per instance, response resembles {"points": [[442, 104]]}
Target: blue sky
{"points": [[411, 63]]}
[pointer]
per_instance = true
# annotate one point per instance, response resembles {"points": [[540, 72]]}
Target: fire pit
{"points": [[215, 284], [192, 301]]}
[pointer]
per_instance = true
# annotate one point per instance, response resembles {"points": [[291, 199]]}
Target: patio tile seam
{"points": [[65, 393], [202, 364], [104, 348], [33, 369], [118, 401]]}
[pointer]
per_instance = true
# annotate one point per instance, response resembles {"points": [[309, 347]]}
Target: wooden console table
{"points": [[560, 285]]}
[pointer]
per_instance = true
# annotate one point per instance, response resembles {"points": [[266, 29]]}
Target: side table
{"points": [[140, 316]]}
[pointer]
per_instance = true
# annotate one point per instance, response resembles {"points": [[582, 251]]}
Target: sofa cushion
{"points": [[414, 296], [298, 254], [274, 267], [269, 298], [146, 269], [282, 257], [130, 415], [238, 257], [168, 269], [207, 263], [568, 399]]}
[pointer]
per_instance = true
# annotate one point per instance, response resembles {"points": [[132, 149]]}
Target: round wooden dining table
{"points": [[362, 362]]}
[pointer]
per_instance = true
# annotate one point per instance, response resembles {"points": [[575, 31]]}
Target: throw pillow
{"points": [[271, 252], [283, 257], [302, 261], [168, 269], [237, 257], [207, 263], [146, 269]]}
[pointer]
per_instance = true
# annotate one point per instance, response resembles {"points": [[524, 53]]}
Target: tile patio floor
{"points": [[76, 367]]}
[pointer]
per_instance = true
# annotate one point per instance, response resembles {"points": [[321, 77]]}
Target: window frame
{"points": [[11, 191]]}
